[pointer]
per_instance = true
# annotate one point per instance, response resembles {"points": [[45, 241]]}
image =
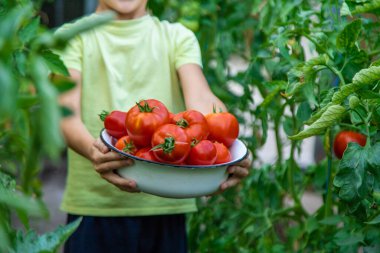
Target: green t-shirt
{"points": [[121, 63]]}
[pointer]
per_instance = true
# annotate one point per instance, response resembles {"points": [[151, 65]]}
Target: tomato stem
{"points": [[145, 107], [129, 147], [167, 146], [182, 123], [194, 142], [103, 115]]}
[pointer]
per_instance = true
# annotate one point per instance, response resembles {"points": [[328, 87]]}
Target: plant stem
{"points": [[338, 73], [292, 165], [277, 124], [318, 46], [278, 140], [350, 126], [374, 52], [329, 179]]}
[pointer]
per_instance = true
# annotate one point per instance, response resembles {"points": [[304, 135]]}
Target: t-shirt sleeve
{"points": [[71, 55], [186, 48]]}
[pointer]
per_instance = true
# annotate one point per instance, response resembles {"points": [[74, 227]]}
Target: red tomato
{"points": [[126, 145], [146, 153], [170, 144], [114, 123], [343, 138], [194, 124], [223, 155], [143, 119], [223, 127], [171, 116], [202, 153]]}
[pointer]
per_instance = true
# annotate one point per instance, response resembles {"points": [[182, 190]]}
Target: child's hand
{"points": [[237, 172], [106, 162]]}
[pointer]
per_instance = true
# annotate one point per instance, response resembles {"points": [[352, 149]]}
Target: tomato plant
{"points": [[343, 138], [202, 153], [170, 144], [114, 123], [194, 124], [144, 118]]}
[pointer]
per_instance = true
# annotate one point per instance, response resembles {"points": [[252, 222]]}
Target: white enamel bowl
{"points": [[176, 181]]}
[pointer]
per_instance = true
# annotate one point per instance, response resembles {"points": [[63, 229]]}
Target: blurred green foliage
{"points": [[29, 121], [305, 60]]}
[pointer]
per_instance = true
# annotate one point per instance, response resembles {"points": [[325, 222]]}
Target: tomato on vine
{"points": [[143, 119], [343, 138]]}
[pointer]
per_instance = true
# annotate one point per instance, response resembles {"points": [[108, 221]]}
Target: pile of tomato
{"points": [[149, 131]]}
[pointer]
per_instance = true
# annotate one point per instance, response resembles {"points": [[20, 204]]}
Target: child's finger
{"points": [[112, 165]]}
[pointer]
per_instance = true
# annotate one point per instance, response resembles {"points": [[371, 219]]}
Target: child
{"points": [[115, 65]]}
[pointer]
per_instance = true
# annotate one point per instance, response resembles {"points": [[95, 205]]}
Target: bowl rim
{"points": [[172, 165]]}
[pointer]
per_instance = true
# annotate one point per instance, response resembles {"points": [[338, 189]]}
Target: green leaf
{"points": [[54, 63], [351, 175], [375, 63], [331, 220], [362, 78], [311, 225], [19, 201], [368, 94], [367, 7], [273, 94], [11, 21], [350, 239], [367, 76], [374, 221], [304, 73], [51, 137], [20, 61], [343, 92], [84, 25], [357, 115], [288, 125], [347, 38], [30, 30], [374, 159], [63, 84], [328, 118], [345, 10], [65, 111], [303, 112], [8, 92], [27, 101], [49, 242], [327, 96]]}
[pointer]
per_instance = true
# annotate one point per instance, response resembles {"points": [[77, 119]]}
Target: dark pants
{"points": [[141, 234]]}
